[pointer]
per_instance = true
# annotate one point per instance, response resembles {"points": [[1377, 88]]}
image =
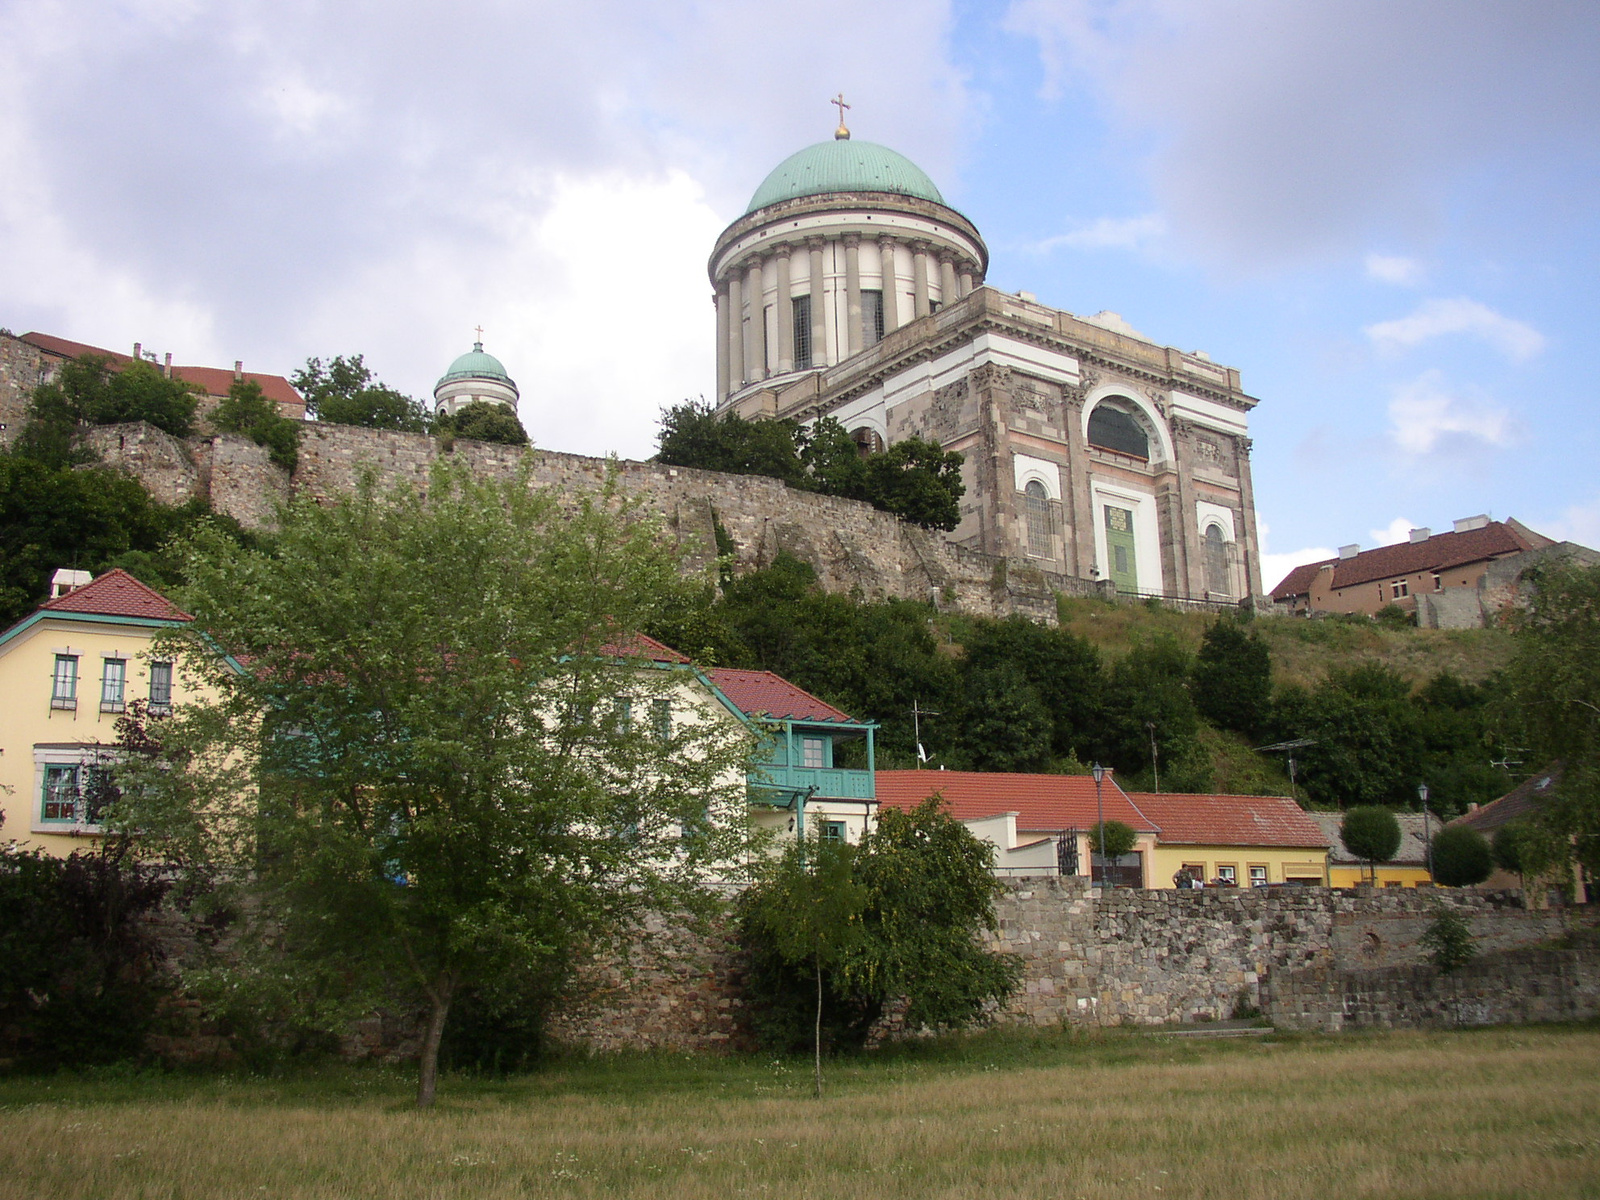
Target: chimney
{"points": [[137, 346], [238, 369], [1421, 535], [1472, 806], [1350, 551], [67, 580], [167, 367], [1467, 524]]}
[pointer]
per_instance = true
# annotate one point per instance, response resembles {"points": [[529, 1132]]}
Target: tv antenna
{"points": [[917, 713], [1288, 748]]}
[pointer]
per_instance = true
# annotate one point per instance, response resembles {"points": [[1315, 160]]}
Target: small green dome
{"points": [[475, 364], [843, 165]]}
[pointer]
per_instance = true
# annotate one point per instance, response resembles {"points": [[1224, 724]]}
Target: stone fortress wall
{"points": [[853, 547]]}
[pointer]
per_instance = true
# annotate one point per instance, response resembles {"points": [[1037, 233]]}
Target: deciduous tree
{"points": [[1371, 834], [1461, 857]]}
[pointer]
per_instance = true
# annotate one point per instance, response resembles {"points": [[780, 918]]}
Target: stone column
{"points": [[919, 277], [947, 279], [819, 321], [785, 316], [964, 283], [1249, 547], [721, 302], [755, 343], [891, 286], [1079, 498], [737, 368], [852, 291]]}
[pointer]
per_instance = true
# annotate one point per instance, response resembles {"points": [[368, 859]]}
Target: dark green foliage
{"points": [[693, 436], [1511, 847], [1392, 616], [1007, 726], [918, 481], [79, 968], [89, 391], [1448, 941], [345, 393], [927, 891], [1233, 678], [1367, 734], [1063, 670], [1149, 685], [1120, 839], [1461, 857], [1371, 834], [248, 411], [481, 421], [1458, 743], [831, 460]]}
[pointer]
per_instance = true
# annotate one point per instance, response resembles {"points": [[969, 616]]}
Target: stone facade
{"points": [[23, 367]]}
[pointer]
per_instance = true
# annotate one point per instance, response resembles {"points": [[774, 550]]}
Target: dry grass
{"points": [[1503, 1113]]}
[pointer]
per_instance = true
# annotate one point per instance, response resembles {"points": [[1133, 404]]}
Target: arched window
{"points": [[1036, 506], [867, 441], [1215, 556], [1112, 426]]}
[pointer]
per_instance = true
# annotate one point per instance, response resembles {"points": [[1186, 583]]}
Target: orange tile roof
{"points": [[761, 693], [1210, 820], [1440, 552], [212, 381], [118, 594], [1298, 581], [1043, 803], [1526, 798], [640, 645]]}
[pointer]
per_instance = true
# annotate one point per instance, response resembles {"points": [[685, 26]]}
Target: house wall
{"points": [[1282, 862], [1388, 875]]}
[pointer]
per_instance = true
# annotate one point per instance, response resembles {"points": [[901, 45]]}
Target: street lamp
{"points": [[1099, 774], [1427, 841]]}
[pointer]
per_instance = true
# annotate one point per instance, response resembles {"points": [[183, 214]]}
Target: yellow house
{"points": [[67, 673], [1408, 867], [1243, 841]]}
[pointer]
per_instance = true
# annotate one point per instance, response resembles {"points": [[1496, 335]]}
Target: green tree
{"points": [[1150, 686], [692, 435], [91, 391], [1553, 702], [1064, 671], [248, 411], [428, 795], [1365, 729], [481, 421], [918, 481], [1119, 839], [1371, 834], [1007, 727], [344, 392], [831, 460], [1233, 677], [1513, 850], [1461, 856], [1448, 940]]}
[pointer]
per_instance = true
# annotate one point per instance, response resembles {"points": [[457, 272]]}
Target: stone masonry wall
{"points": [[22, 368]]}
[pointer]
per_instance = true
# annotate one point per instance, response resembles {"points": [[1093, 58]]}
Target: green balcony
{"points": [[834, 783]]}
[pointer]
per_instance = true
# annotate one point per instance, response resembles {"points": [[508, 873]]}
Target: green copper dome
{"points": [[843, 165], [475, 364]]}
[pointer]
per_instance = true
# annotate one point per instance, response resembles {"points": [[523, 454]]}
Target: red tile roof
{"points": [[1207, 820], [1043, 803], [212, 381], [641, 645], [761, 693], [1526, 798], [1440, 552], [118, 594]]}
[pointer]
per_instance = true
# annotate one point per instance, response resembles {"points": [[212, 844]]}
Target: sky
{"points": [[1385, 214]]}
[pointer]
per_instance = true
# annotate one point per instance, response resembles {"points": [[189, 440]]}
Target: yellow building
{"points": [[1243, 841], [67, 673], [1408, 867]]}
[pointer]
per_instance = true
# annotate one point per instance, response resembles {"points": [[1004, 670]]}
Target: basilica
{"points": [[850, 289]]}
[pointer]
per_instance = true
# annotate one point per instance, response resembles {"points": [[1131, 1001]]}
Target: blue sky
{"points": [[1383, 213]]}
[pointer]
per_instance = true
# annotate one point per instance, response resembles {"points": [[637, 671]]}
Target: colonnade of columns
{"points": [[742, 352]]}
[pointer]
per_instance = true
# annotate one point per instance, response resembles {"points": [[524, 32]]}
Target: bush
{"points": [[1392, 616], [481, 421], [1448, 941], [1120, 839], [1233, 678], [1461, 857], [248, 411]]}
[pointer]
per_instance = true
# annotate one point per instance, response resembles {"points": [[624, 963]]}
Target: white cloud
{"points": [[1398, 530], [1107, 233], [1395, 269], [1439, 318], [1422, 414], [1578, 523], [1275, 566]]}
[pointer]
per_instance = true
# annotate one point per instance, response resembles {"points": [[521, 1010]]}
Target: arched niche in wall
{"points": [[868, 440], [1214, 556], [1113, 420]]}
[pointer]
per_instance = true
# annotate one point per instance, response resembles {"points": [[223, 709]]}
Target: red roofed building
{"points": [[1248, 841], [1363, 581]]}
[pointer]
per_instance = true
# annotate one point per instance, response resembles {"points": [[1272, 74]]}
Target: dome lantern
{"points": [[474, 375]]}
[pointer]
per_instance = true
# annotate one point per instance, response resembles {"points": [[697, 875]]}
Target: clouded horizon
{"points": [[1383, 214]]}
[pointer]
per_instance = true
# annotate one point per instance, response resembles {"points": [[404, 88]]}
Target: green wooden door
{"points": [[1119, 547]]}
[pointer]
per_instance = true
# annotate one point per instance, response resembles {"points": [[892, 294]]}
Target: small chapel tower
{"points": [[474, 376]]}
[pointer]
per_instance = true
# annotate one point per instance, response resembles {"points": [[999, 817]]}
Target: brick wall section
{"points": [[1534, 984]]}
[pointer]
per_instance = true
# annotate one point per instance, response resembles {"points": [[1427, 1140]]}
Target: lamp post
{"points": [[1099, 773], [1427, 840]]}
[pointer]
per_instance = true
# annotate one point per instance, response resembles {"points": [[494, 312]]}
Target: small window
{"points": [[622, 713], [1258, 876], [661, 719], [801, 307], [160, 686], [1400, 588], [59, 804], [1438, 582], [1228, 874], [812, 754], [113, 685], [833, 831], [871, 318], [64, 691], [1040, 520]]}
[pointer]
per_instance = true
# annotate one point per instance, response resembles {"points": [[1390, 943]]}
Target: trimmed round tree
{"points": [[1120, 839], [1461, 857], [1372, 834]]}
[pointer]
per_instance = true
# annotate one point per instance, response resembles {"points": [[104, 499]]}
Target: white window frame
{"points": [[158, 668], [64, 697], [78, 757], [113, 683]]}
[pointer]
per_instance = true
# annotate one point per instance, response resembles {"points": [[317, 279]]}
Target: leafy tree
{"points": [[1120, 839], [1512, 848], [807, 911], [1007, 726], [424, 797], [1453, 724], [1553, 702], [1233, 677], [919, 481], [1365, 729], [831, 460], [1063, 670], [1149, 686], [1448, 941], [1372, 834], [345, 393], [692, 435], [481, 421], [1461, 856], [248, 411], [90, 391]]}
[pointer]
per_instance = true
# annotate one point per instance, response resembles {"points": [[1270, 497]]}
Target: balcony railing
{"points": [[829, 782]]}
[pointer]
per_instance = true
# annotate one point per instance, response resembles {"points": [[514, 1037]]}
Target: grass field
{"points": [[1495, 1113]]}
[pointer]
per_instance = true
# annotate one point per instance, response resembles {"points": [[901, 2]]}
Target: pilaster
{"points": [[785, 315], [852, 291], [819, 319], [919, 277]]}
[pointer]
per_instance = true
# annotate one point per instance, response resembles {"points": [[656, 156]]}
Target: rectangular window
{"points": [[661, 719], [833, 831], [1228, 874], [64, 693], [871, 318], [802, 332], [113, 684], [1438, 582], [160, 686], [60, 800], [1400, 589], [1258, 876], [1380, 593], [811, 754], [622, 713]]}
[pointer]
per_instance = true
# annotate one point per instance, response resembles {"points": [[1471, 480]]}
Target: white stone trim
{"points": [[1207, 513], [1146, 532], [61, 756], [1155, 425], [1025, 467], [1208, 413]]}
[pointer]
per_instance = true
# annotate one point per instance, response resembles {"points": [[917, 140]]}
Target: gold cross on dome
{"points": [[842, 131], [479, 328]]}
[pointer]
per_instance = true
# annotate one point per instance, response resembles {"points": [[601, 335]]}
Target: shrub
{"points": [[248, 411], [1372, 834], [1461, 857], [1448, 941]]}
